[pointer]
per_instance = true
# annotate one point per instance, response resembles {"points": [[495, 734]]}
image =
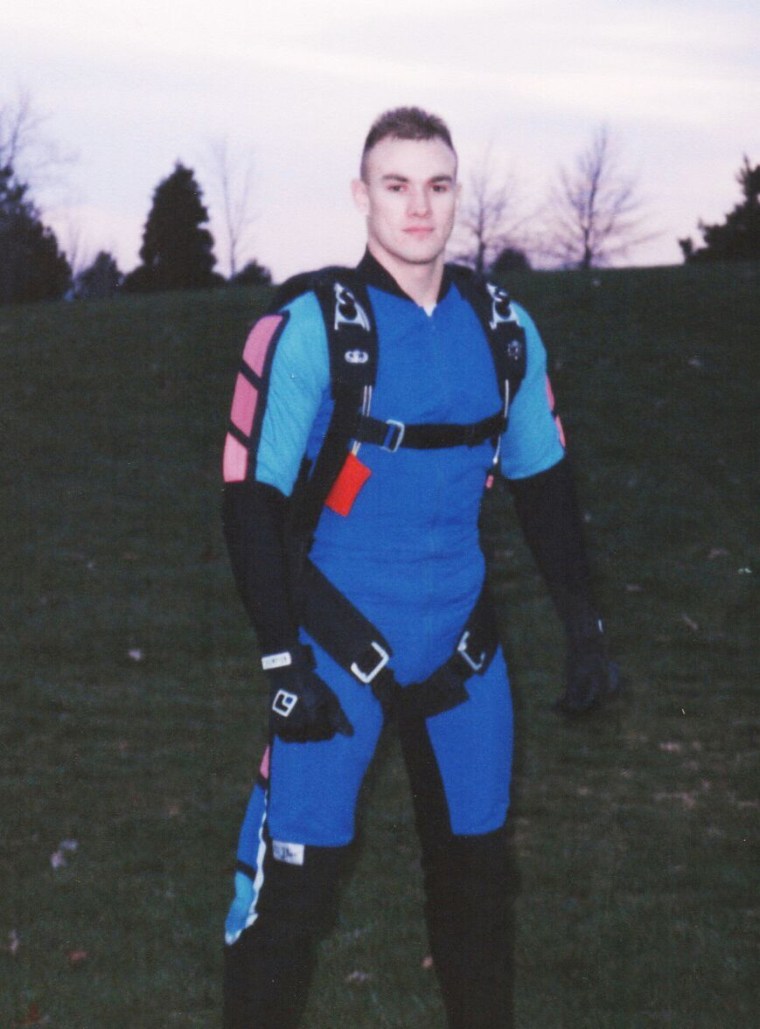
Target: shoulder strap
{"points": [[505, 335], [352, 346], [349, 323]]}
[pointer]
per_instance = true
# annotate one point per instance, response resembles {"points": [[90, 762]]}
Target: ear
{"points": [[360, 195]]}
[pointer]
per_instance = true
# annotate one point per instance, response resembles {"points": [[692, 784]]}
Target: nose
{"points": [[419, 203]]}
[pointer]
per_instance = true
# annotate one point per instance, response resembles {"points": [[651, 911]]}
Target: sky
{"points": [[291, 86]]}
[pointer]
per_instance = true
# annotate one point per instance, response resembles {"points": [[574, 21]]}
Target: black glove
{"points": [[303, 708], [590, 676]]}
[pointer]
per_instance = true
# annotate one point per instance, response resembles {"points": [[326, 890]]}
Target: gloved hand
{"points": [[302, 707], [590, 676]]}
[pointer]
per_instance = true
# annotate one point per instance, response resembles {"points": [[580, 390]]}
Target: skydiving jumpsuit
{"points": [[408, 556]]}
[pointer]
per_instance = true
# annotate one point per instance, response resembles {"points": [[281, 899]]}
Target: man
{"points": [[394, 548]]}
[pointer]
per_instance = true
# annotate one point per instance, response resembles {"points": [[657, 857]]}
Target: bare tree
{"points": [[24, 146], [488, 221], [18, 127], [594, 212], [232, 186]]}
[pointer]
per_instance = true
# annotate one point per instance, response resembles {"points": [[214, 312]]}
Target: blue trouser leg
{"points": [[293, 848], [295, 839]]}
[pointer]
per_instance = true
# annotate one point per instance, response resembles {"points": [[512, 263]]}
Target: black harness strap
{"points": [[390, 435], [350, 639], [360, 649], [352, 345], [493, 306], [474, 652]]}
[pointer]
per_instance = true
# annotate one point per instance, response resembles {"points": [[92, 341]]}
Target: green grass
{"points": [[131, 712]]}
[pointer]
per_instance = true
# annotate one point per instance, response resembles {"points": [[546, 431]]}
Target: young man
{"points": [[394, 552]]}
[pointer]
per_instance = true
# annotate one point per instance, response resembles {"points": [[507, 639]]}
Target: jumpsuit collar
{"points": [[375, 275]]}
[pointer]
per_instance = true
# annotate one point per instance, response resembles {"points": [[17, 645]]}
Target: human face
{"points": [[408, 196]]}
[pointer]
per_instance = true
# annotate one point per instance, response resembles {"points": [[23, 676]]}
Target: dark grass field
{"points": [[131, 719]]}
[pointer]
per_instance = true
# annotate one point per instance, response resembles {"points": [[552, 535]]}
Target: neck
{"points": [[421, 282]]}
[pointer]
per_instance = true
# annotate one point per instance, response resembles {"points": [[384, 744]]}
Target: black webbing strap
{"points": [[505, 335], [352, 347], [314, 483], [392, 434], [474, 652], [350, 639], [360, 649]]}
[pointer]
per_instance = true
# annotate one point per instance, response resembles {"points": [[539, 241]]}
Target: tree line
{"points": [[593, 217]]}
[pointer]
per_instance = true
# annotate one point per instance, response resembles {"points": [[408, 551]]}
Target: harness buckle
{"points": [[367, 677], [476, 664], [393, 436]]}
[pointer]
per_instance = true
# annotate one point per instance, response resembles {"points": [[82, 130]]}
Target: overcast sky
{"points": [[130, 88]]}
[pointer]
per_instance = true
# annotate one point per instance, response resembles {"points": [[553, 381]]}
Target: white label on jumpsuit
{"points": [[288, 853]]}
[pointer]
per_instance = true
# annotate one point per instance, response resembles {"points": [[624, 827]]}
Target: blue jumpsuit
{"points": [[408, 556]]}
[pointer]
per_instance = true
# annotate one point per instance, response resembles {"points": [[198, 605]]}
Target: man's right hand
{"points": [[303, 708]]}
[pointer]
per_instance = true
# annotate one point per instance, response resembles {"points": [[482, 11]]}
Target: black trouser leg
{"points": [[469, 918], [266, 978], [268, 970], [469, 899]]}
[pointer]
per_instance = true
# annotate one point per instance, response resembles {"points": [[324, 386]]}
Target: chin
{"points": [[420, 255]]}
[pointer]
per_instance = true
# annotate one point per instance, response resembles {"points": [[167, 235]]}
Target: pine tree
{"points": [[31, 265], [738, 238], [101, 279], [177, 251]]}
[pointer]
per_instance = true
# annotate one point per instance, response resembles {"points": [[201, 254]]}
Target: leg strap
{"points": [[350, 639], [445, 688], [354, 643]]}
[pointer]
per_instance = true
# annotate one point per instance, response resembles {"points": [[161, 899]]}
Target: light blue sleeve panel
{"points": [[532, 442], [299, 382]]}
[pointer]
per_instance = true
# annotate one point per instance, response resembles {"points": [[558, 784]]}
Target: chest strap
{"points": [[360, 649], [391, 434]]}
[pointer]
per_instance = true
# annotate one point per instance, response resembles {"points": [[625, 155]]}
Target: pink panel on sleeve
{"points": [[550, 394], [557, 422], [259, 341], [244, 405], [560, 432], [235, 460], [264, 769]]}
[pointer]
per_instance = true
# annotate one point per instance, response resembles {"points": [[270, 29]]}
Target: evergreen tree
{"points": [[101, 279], [510, 259], [738, 238], [253, 274], [177, 251], [31, 265]]}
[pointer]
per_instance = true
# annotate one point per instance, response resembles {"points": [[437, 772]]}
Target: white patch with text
{"points": [[288, 853]]}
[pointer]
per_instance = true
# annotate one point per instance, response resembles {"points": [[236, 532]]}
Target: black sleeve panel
{"points": [[548, 512], [254, 515]]}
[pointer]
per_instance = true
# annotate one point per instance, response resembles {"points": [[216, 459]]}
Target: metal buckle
{"points": [[475, 665], [395, 442], [367, 677], [284, 702]]}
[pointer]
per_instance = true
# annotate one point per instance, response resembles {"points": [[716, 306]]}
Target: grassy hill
{"points": [[131, 709]]}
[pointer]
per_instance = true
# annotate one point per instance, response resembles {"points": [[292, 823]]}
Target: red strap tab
{"points": [[347, 486]]}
